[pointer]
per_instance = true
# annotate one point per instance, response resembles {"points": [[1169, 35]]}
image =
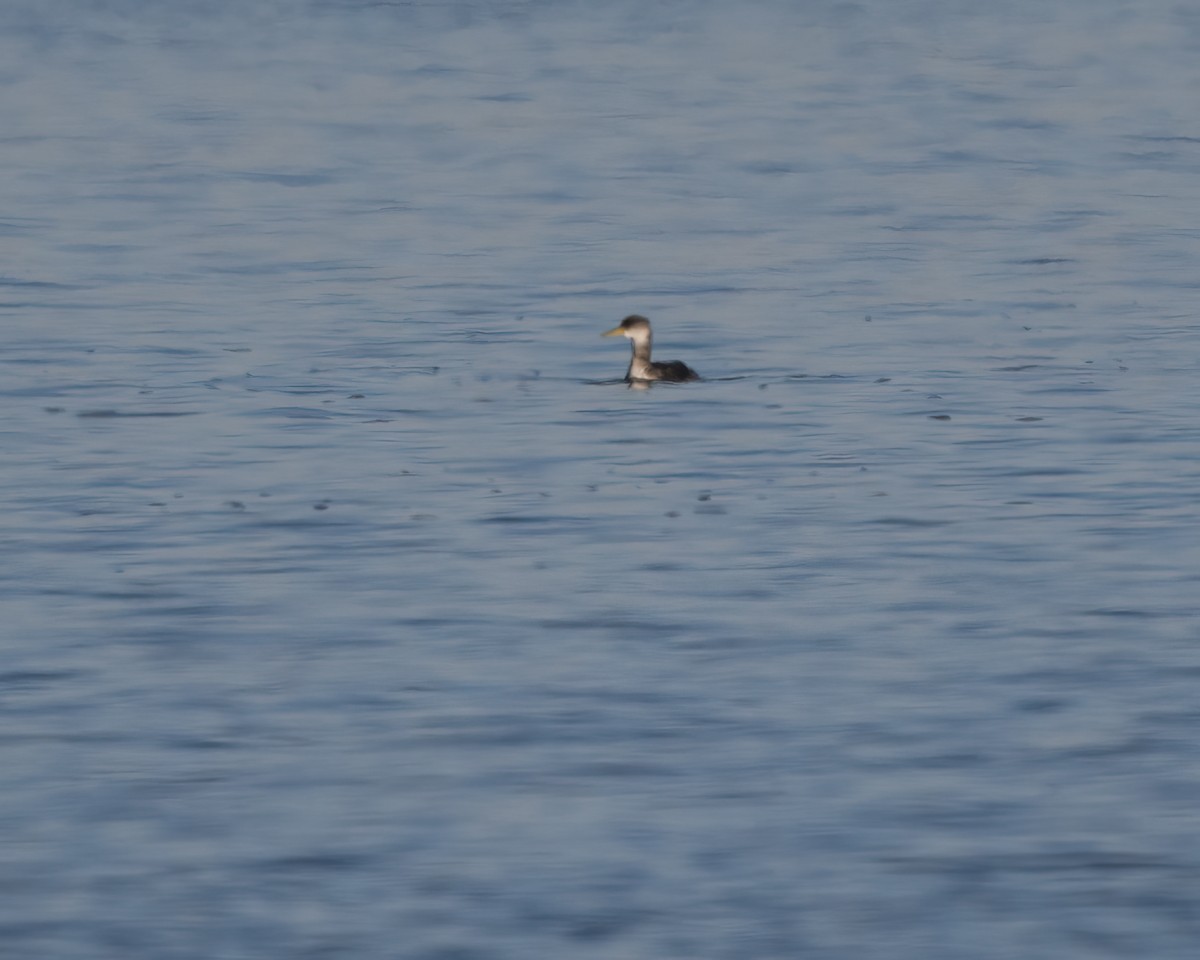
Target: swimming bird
{"points": [[641, 367]]}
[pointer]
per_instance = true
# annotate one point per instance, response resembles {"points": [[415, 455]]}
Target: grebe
{"points": [[641, 367]]}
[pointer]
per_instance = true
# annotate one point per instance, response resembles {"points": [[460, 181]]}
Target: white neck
{"points": [[639, 364]]}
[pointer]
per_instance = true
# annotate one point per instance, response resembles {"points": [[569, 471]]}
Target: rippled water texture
{"points": [[354, 607]]}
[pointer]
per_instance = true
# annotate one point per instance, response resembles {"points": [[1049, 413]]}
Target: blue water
{"points": [[353, 607]]}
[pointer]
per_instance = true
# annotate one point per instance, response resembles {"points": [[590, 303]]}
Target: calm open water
{"points": [[354, 608]]}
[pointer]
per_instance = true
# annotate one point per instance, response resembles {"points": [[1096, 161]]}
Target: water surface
{"points": [[354, 607]]}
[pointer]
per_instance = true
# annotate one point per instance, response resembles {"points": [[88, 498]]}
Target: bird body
{"points": [[641, 367]]}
